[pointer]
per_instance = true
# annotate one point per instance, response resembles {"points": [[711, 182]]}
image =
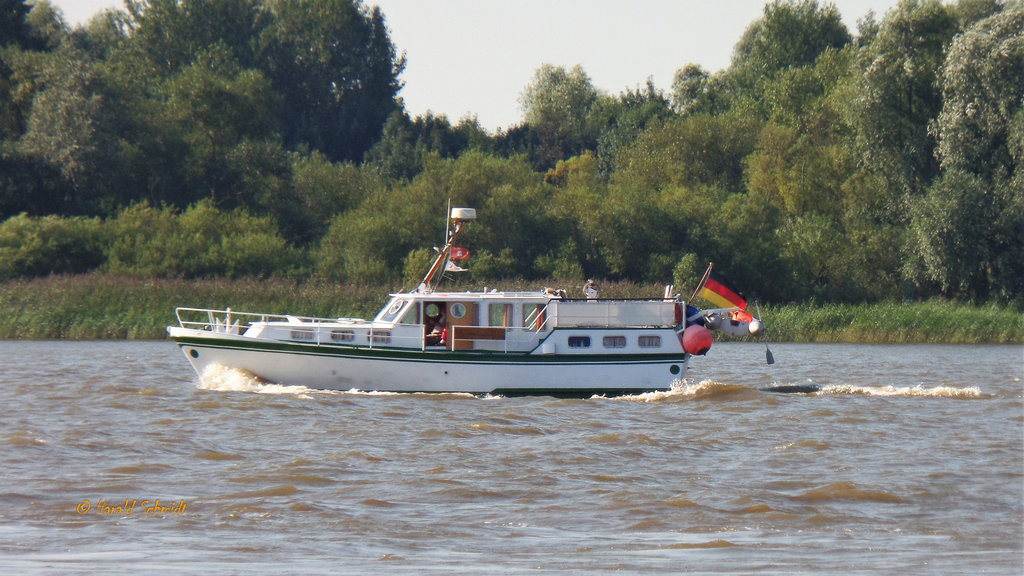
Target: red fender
{"points": [[697, 340]]}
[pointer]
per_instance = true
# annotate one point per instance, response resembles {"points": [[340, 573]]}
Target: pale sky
{"points": [[475, 57]]}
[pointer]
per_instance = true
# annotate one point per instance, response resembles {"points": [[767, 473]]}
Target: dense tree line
{"points": [[187, 138]]}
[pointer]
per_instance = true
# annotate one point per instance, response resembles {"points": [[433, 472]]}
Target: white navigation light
{"points": [[463, 213]]}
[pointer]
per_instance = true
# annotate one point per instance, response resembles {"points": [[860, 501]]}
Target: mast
{"points": [[703, 280], [458, 217]]}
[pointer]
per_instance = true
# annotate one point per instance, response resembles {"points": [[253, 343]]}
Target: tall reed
{"points": [[932, 321], [104, 307]]}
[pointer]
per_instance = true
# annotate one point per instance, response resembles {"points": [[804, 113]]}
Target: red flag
{"points": [[459, 253]]}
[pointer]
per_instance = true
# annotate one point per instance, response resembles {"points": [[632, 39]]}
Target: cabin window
{"points": [[302, 334], [579, 341], [382, 337], [649, 341], [533, 316], [343, 336], [614, 341], [499, 314], [411, 316]]}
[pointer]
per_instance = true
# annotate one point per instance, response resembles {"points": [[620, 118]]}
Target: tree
{"points": [[619, 120], [556, 104], [944, 226], [218, 106], [47, 26], [26, 33], [798, 173], [744, 240], [13, 26], [375, 240], [808, 98], [692, 88], [63, 127], [688, 151], [791, 34], [406, 143], [977, 250], [982, 89], [171, 34], [335, 66], [897, 94]]}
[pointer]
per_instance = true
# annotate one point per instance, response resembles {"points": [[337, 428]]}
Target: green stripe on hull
{"points": [[575, 392], [446, 357]]}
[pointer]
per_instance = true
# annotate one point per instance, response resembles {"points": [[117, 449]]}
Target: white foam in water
{"points": [[904, 391], [683, 389], [228, 379]]}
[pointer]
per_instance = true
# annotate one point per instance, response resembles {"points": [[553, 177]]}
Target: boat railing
{"points": [[537, 320], [228, 321], [358, 332], [220, 321]]}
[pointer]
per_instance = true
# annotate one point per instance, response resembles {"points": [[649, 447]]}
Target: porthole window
{"points": [[457, 310], [579, 341], [614, 341], [649, 341], [393, 310]]}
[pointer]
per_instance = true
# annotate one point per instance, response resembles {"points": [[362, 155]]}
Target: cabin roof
{"points": [[535, 295]]}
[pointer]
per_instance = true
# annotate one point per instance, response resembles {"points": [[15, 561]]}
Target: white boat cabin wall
{"points": [[489, 321]]}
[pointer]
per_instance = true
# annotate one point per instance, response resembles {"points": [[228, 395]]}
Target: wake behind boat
{"points": [[484, 342]]}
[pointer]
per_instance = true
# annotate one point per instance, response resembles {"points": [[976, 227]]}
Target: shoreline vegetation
{"points": [[101, 307]]}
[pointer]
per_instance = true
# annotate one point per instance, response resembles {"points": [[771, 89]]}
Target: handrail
{"points": [[263, 317], [530, 322]]}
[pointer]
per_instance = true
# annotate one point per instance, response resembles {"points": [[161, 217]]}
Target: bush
{"points": [[202, 242], [40, 246]]}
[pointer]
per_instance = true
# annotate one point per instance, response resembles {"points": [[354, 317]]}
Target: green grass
{"points": [[102, 307]]}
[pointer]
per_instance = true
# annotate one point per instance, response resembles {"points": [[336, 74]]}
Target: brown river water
{"points": [[116, 459]]}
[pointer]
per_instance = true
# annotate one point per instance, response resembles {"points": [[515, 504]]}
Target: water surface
{"points": [[909, 459]]}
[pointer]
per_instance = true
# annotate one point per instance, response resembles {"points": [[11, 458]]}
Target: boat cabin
{"points": [[515, 321]]}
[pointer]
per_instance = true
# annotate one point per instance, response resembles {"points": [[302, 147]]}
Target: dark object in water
{"points": [[793, 389]]}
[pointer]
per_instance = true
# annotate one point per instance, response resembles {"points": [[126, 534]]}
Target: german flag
{"points": [[719, 291]]}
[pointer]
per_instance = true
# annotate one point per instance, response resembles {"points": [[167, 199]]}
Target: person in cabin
{"points": [[434, 324]]}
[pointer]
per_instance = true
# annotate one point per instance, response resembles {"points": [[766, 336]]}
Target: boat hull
{"points": [[401, 370]]}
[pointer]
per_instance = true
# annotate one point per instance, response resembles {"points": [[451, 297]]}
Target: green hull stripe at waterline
{"points": [[440, 356]]}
